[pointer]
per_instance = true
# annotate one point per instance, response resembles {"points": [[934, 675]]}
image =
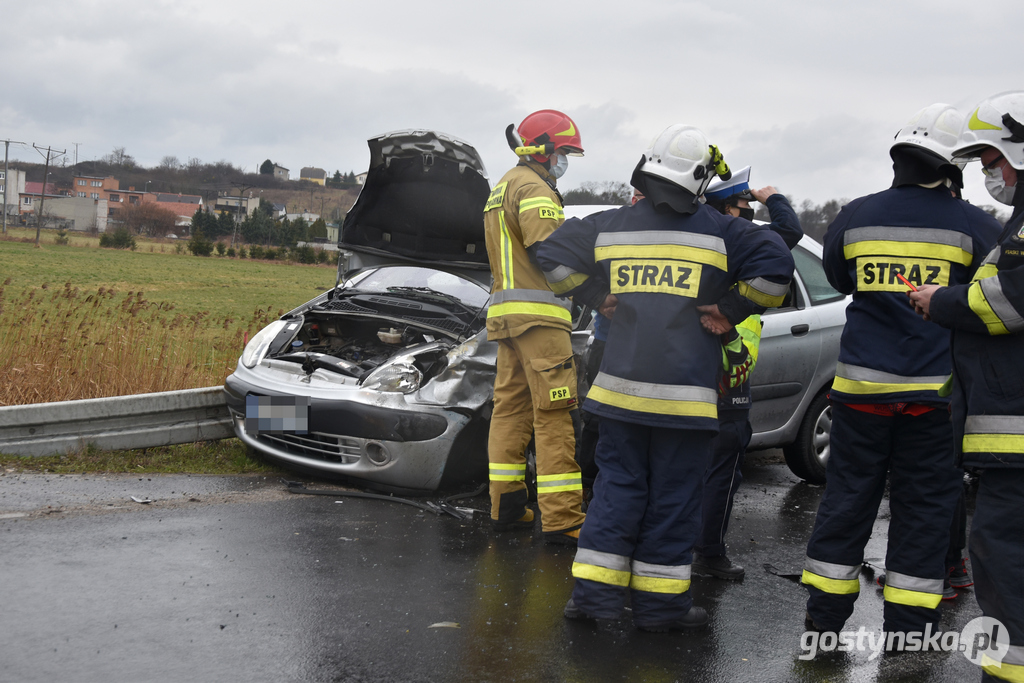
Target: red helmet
{"points": [[552, 130]]}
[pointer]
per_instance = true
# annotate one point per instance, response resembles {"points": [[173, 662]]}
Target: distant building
{"points": [[279, 211], [361, 179], [29, 199], [13, 183], [76, 213], [236, 205], [184, 206], [312, 174], [280, 172], [305, 215], [94, 187]]}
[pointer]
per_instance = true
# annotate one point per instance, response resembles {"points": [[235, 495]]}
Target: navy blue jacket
{"points": [[888, 354], [987, 319], [660, 367]]}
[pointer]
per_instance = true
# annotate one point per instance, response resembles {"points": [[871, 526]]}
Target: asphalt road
{"points": [[235, 579]]}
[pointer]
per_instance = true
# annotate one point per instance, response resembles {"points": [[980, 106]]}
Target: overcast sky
{"points": [[808, 93]]}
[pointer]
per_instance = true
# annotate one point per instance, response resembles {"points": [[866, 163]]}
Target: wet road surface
{"points": [[232, 578]]}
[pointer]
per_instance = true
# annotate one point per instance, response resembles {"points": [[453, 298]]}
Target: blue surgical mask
{"points": [[559, 163]]}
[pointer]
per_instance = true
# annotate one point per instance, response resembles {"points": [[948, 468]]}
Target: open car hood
{"points": [[422, 202]]}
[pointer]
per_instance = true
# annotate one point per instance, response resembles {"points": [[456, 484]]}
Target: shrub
{"points": [[199, 245], [121, 238], [256, 251], [221, 249], [241, 252], [270, 254], [305, 254], [61, 238], [231, 252]]}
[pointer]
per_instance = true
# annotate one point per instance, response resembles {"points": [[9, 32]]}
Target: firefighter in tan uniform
{"points": [[535, 386]]}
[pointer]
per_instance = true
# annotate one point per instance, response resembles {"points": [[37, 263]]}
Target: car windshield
{"points": [[405, 277], [818, 288]]}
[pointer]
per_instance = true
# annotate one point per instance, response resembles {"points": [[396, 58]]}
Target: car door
{"points": [[793, 344]]}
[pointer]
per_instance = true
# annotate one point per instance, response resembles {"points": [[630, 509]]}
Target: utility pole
{"points": [[242, 187], [7, 180], [50, 154], [76, 144]]}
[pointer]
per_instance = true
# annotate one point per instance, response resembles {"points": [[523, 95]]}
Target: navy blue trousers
{"points": [[722, 479], [916, 455], [997, 554], [646, 507]]}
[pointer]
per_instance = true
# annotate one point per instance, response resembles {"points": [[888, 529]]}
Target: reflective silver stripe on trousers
{"points": [[648, 237], [912, 583], [510, 471], [619, 563], [768, 287], [1001, 306], [879, 233], [862, 374], [538, 296], [667, 392], [1014, 655], [552, 483], [839, 572], [661, 571], [994, 424]]}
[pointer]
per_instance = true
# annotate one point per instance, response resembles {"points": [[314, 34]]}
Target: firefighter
{"points": [[655, 394], [740, 346], [888, 417], [987, 320], [535, 384]]}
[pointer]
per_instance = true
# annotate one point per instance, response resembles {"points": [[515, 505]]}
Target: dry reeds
{"points": [[65, 344]]}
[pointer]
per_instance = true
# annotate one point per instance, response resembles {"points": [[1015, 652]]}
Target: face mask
{"points": [[559, 164], [747, 213], [997, 187]]}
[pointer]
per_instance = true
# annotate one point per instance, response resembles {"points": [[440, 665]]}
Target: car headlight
{"points": [[401, 375], [258, 346]]}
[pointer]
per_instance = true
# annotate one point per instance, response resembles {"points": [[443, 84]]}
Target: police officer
{"points": [[535, 384], [987, 319], [656, 391], [740, 348], [888, 417]]}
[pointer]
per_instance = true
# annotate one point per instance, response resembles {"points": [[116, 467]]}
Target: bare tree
{"points": [[170, 163], [119, 157], [146, 218], [194, 166]]}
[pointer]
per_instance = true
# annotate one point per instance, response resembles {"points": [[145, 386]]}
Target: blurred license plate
{"points": [[276, 414]]}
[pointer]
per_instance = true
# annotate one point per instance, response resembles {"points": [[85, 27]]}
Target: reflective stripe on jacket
{"points": [[987, 319], [522, 209], [888, 354], [660, 368]]}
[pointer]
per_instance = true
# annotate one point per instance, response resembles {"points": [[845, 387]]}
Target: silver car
{"points": [[387, 379]]}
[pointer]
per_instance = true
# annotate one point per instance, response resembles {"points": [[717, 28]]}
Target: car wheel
{"points": [[808, 455]]}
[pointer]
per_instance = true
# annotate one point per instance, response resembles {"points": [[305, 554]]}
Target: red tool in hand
{"points": [[907, 282]]}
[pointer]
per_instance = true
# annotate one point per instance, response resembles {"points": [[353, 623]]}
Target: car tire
{"points": [[808, 455]]}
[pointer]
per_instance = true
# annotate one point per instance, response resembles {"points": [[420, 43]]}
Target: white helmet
{"points": [[935, 128], [997, 122], [681, 155]]}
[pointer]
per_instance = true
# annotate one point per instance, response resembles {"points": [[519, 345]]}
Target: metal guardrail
{"points": [[116, 423]]}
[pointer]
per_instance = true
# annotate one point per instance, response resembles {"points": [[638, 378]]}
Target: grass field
{"points": [[78, 321]]}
